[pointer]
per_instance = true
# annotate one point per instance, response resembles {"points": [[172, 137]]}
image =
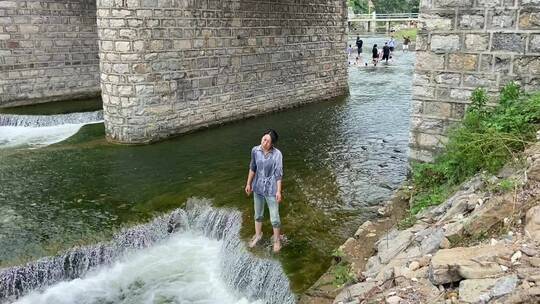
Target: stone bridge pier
{"points": [[171, 66], [462, 45]]}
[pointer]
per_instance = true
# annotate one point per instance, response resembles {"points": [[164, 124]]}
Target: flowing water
{"points": [[342, 159]]}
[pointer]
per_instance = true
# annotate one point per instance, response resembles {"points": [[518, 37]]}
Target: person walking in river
{"points": [[386, 52], [375, 55], [359, 44], [264, 180], [406, 42], [392, 44]]}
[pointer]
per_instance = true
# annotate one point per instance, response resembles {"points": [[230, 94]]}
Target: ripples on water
{"points": [[342, 158]]}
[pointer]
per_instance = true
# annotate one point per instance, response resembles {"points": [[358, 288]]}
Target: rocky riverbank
{"points": [[482, 245]]}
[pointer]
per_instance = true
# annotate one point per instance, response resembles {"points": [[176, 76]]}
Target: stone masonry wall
{"points": [[48, 50], [464, 44], [171, 66]]}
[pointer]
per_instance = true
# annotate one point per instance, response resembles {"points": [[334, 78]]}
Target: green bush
{"points": [[487, 138]]}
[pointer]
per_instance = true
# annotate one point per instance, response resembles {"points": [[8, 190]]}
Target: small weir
{"points": [[41, 130], [37, 121], [256, 279]]}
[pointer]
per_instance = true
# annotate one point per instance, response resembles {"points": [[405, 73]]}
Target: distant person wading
{"points": [[264, 180]]}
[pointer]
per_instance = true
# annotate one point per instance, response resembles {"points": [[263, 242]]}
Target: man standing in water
{"points": [[386, 52], [359, 44], [264, 180]]}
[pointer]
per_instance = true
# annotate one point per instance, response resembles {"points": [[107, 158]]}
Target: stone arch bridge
{"points": [[165, 67]]}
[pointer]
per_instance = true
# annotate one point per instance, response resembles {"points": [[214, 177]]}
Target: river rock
{"points": [[532, 223], [533, 173], [356, 291], [445, 243], [470, 291], [460, 203], [453, 229], [393, 300], [392, 244], [491, 213], [504, 285], [479, 271], [445, 264], [432, 242], [482, 290], [414, 265], [363, 229]]}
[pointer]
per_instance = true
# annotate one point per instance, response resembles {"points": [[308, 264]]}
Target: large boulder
{"points": [[532, 223], [393, 243], [490, 214], [482, 290], [449, 265], [356, 291]]}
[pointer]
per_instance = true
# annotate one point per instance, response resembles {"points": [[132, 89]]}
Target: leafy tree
{"points": [[396, 6], [359, 6]]}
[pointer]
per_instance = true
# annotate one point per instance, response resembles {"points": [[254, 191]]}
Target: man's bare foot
{"points": [[277, 244], [254, 240]]}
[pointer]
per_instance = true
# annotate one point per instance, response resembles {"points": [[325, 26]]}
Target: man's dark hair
{"points": [[273, 135]]}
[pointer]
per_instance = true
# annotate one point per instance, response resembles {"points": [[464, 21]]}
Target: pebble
{"points": [[393, 300], [528, 251], [370, 235], [414, 265], [493, 242], [515, 257], [445, 243]]}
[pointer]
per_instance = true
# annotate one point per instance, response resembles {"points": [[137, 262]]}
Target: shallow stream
{"points": [[342, 159]]}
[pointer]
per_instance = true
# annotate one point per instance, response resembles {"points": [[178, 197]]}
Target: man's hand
{"points": [[248, 189], [278, 197]]}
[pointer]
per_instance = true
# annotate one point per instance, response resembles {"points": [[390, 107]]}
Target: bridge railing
{"points": [[384, 16]]}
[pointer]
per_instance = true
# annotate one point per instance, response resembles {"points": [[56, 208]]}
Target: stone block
{"points": [[502, 63], [422, 41], [480, 80], [502, 19], [510, 42], [123, 46], [460, 94], [441, 21], [462, 62], [8, 4], [471, 20], [526, 65], [534, 43], [476, 42], [445, 43], [448, 78], [423, 91], [438, 109], [488, 3], [452, 3], [486, 63], [529, 18], [527, 3]]}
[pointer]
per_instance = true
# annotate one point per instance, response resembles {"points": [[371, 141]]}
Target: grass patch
{"points": [[406, 222], [406, 32], [342, 274], [487, 138]]}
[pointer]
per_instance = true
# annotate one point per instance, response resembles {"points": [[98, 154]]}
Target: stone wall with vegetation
{"points": [[48, 50], [170, 66], [464, 44]]}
